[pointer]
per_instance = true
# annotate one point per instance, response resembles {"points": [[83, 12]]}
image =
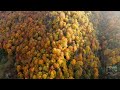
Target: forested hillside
{"points": [[59, 44]]}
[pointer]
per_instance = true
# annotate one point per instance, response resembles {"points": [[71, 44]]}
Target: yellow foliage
{"points": [[73, 62], [96, 73], [18, 68], [80, 57], [49, 43]]}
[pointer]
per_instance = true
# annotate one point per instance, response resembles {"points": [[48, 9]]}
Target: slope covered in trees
{"points": [[107, 27], [50, 44], [59, 44]]}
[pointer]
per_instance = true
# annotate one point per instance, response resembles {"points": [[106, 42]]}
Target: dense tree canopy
{"points": [[60, 44]]}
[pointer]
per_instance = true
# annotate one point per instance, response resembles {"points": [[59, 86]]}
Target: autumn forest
{"points": [[59, 45]]}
